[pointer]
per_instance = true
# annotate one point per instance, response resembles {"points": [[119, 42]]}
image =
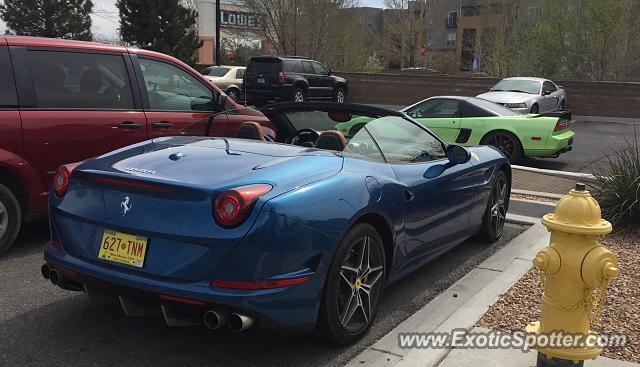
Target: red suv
{"points": [[65, 101]]}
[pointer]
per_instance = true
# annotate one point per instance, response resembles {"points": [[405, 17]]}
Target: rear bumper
{"points": [[557, 143], [279, 93], [288, 310]]}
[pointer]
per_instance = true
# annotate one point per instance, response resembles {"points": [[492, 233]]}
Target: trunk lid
{"points": [[169, 185]]}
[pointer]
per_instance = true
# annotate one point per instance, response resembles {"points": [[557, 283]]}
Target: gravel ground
{"points": [[521, 304], [534, 198]]}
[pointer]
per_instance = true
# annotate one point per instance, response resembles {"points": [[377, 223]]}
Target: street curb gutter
{"points": [[461, 305]]}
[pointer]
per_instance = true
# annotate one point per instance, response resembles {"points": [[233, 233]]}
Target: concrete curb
{"points": [[570, 175], [541, 194], [530, 208], [461, 305]]}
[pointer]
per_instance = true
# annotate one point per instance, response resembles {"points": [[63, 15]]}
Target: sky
{"points": [[104, 21]]}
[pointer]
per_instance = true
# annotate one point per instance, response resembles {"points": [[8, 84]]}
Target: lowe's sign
{"points": [[237, 19]]}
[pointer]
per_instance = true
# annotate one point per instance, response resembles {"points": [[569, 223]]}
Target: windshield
{"points": [[215, 71], [493, 107], [390, 139], [517, 85]]}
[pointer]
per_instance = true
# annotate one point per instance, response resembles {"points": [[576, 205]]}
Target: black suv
{"points": [[273, 78]]}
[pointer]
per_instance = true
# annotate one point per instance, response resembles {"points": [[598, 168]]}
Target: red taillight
{"points": [[562, 125], [233, 206], [61, 178], [262, 284], [282, 78]]}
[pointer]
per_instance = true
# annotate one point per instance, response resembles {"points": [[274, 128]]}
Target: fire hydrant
{"points": [[576, 270]]}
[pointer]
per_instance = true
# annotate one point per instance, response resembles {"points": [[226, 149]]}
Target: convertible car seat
{"points": [[250, 130], [331, 140]]}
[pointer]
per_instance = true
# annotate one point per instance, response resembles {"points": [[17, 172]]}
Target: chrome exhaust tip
{"points": [[238, 322], [54, 277], [213, 320], [45, 269]]}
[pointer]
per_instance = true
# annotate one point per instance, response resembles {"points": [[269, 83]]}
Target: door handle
{"points": [[129, 125], [408, 195], [162, 125]]}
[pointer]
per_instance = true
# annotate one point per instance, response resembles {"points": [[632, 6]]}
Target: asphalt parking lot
{"points": [[43, 325], [593, 141]]}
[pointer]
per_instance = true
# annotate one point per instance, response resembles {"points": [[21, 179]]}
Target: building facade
{"points": [[238, 28]]}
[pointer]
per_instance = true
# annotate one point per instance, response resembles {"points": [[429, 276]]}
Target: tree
{"points": [[165, 26], [68, 19]]}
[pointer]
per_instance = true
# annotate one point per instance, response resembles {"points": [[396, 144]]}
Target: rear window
{"points": [[271, 66], [215, 71]]}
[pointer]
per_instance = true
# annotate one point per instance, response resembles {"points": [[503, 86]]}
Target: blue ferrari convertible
{"points": [[295, 229]]}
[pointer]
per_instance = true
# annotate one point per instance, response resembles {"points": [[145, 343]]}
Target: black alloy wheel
{"points": [[354, 286], [507, 143], [496, 211]]}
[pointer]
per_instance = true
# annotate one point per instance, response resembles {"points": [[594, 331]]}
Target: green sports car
{"points": [[472, 121]]}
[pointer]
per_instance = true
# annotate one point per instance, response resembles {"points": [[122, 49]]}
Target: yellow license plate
{"points": [[123, 248]]}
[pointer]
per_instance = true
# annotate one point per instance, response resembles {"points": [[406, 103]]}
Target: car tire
{"points": [[496, 211], [340, 95], [353, 287], [505, 142], [535, 109], [233, 94], [10, 219], [298, 95]]}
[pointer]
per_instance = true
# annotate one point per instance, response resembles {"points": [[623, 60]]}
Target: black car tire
{"points": [[496, 211], [338, 287], [505, 142], [535, 109], [298, 95], [10, 219], [340, 95]]}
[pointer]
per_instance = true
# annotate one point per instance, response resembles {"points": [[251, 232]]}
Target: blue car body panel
{"points": [[293, 230]]}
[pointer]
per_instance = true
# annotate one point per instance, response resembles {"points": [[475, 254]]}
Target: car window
{"points": [[8, 96], [402, 141], [470, 110], [549, 87], [239, 73], [435, 108], [319, 69], [172, 89], [292, 66], [216, 71], [80, 80], [362, 146], [307, 67]]}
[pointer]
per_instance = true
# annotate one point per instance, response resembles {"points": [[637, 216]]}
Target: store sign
{"points": [[237, 19]]}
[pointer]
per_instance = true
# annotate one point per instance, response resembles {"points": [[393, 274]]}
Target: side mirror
{"points": [[456, 155], [560, 87], [329, 72], [221, 101], [546, 92]]}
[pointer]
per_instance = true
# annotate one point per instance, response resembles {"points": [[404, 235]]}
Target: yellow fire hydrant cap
{"points": [[577, 212]]}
